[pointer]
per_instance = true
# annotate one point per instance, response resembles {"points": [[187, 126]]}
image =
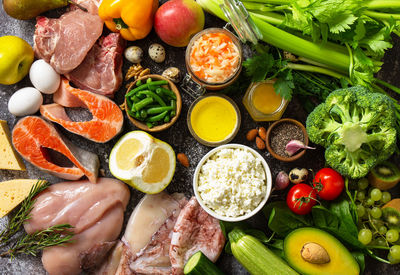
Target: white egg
{"points": [[44, 77], [25, 101]]}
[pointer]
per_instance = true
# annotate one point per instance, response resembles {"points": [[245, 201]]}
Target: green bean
{"points": [[149, 124], [138, 83], [149, 80], [168, 92], [159, 91], [157, 110], [158, 83], [173, 105], [167, 118], [137, 89], [143, 113], [128, 103], [157, 117], [135, 99], [143, 103], [154, 96]]}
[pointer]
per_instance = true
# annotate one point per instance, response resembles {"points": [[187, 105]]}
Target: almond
{"points": [[260, 143], [262, 132], [182, 158], [251, 135]]}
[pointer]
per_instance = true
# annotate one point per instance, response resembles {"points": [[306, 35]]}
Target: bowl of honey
{"points": [[262, 101]]}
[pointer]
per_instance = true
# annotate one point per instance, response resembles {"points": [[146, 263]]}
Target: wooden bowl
{"points": [[139, 124], [296, 156]]}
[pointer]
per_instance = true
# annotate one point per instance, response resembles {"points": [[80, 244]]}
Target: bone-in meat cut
{"points": [[101, 70]]}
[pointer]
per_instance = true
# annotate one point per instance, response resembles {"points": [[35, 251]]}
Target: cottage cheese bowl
{"points": [[232, 182]]}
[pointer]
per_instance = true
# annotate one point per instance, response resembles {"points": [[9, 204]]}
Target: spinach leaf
{"points": [[328, 221], [341, 209], [282, 221]]}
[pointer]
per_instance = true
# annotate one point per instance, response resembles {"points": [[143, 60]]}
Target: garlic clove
{"points": [[295, 145], [281, 181]]}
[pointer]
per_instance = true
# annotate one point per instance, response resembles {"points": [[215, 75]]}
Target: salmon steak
{"points": [[35, 139], [107, 117]]}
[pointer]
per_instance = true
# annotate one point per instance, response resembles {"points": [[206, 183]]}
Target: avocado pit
{"points": [[315, 254]]}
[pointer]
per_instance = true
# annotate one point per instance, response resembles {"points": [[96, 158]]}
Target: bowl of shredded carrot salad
{"points": [[214, 57]]}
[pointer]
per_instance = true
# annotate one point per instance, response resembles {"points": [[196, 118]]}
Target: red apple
{"points": [[177, 21]]}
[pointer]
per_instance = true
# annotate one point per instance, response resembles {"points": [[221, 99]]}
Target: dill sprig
{"points": [[23, 214], [33, 243]]}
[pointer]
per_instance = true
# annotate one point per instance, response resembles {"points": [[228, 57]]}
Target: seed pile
{"points": [[282, 134]]}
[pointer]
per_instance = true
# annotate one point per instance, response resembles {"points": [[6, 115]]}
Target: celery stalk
{"points": [[327, 53]]}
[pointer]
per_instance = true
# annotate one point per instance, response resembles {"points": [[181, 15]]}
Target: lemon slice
{"points": [[142, 161]]}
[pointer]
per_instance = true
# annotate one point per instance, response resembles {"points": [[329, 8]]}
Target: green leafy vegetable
{"points": [[357, 127], [281, 220], [347, 37]]}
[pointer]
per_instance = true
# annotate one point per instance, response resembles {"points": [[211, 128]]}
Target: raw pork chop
{"points": [[194, 230], [64, 42], [96, 211], [101, 70]]}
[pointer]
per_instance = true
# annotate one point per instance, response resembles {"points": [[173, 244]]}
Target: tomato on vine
{"points": [[328, 183], [301, 198]]}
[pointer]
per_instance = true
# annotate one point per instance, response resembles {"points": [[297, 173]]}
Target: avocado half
{"points": [[340, 261]]}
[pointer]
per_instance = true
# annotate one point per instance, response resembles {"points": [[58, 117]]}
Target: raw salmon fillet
{"points": [[107, 116], [32, 136]]}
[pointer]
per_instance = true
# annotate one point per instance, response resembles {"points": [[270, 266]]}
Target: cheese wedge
{"points": [[9, 157], [13, 192]]}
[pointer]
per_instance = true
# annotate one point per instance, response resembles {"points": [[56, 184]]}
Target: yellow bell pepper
{"points": [[133, 19]]}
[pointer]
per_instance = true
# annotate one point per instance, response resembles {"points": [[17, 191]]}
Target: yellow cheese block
{"points": [[13, 192], [9, 157]]}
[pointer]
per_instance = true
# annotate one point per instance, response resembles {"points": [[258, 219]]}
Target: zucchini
{"points": [[199, 264], [256, 257]]}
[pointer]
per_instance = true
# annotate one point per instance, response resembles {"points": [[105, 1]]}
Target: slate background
{"points": [[178, 136]]}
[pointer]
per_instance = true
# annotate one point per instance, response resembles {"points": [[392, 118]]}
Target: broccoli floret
{"points": [[357, 127]]}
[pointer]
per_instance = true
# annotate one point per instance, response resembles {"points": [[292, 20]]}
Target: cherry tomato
{"points": [[328, 183], [301, 198]]}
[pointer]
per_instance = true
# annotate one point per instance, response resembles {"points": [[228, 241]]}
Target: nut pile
{"points": [[259, 135], [136, 71]]}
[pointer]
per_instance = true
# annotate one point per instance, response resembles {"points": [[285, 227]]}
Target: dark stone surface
{"points": [[178, 136]]}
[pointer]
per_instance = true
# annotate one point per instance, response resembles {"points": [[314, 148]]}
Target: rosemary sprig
{"points": [[33, 243], [23, 214]]}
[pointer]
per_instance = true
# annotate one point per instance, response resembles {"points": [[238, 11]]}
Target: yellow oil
{"points": [[265, 99], [213, 119]]}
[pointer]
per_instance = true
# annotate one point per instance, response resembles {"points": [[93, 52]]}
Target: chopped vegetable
{"points": [[345, 37], [199, 264], [214, 58]]}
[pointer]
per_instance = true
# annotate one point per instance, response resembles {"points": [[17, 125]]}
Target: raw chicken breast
{"points": [[95, 211]]}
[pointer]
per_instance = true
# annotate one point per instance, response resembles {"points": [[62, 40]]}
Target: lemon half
{"points": [[142, 161]]}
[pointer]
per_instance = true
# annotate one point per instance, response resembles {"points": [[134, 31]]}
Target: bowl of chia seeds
{"points": [[280, 133]]}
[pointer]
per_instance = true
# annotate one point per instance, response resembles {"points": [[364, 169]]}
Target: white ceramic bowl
{"points": [[267, 176]]}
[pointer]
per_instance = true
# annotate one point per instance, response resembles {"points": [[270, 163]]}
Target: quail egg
{"points": [[133, 54], [298, 175], [157, 53]]}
